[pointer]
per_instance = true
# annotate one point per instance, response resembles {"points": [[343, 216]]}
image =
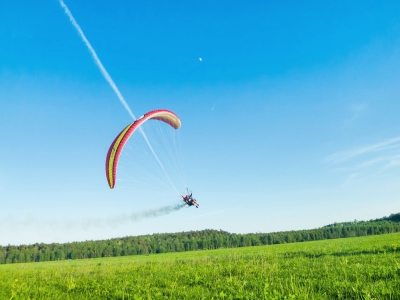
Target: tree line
{"points": [[190, 241]]}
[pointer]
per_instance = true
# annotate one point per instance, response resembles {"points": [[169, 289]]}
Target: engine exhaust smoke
{"points": [[89, 223]]}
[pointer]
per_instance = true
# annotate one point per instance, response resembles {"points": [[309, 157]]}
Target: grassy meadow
{"points": [[351, 268]]}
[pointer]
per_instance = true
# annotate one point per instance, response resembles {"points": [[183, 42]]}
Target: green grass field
{"points": [[352, 268]]}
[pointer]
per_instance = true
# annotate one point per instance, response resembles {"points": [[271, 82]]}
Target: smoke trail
{"points": [[134, 217], [111, 82], [95, 222], [154, 213]]}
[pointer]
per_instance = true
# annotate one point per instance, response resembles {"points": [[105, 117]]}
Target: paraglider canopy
{"points": [[118, 144]]}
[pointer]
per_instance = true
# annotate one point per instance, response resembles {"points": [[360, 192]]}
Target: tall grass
{"points": [[353, 268]]}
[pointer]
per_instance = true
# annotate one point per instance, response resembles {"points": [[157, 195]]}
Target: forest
{"points": [[190, 241]]}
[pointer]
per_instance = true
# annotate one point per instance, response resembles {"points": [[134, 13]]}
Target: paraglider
{"points": [[188, 199], [119, 142], [117, 145]]}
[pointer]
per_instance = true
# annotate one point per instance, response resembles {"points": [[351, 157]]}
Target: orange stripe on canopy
{"points": [[118, 144]]}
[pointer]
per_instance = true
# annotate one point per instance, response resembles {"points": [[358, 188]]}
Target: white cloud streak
{"points": [[378, 147], [371, 161]]}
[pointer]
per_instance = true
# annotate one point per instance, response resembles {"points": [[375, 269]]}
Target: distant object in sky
{"points": [[200, 59]]}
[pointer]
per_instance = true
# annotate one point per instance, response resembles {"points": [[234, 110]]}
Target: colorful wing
{"points": [[118, 144]]}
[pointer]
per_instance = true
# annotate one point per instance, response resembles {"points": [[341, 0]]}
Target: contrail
{"points": [[111, 82], [97, 60]]}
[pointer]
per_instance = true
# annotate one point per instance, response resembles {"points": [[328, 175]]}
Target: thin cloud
{"points": [[348, 155], [371, 161]]}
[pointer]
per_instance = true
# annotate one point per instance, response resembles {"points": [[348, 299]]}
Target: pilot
{"points": [[185, 198]]}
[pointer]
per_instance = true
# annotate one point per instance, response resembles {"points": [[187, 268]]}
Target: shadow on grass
{"points": [[384, 250]]}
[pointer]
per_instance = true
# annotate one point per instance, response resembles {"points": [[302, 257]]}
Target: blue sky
{"points": [[290, 121]]}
